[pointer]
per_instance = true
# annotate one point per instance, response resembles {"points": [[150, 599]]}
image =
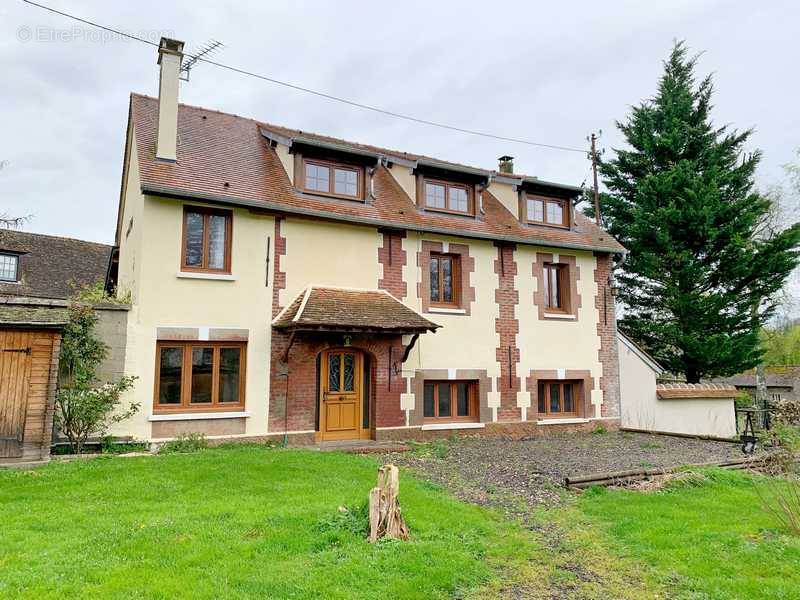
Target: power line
{"points": [[325, 95]]}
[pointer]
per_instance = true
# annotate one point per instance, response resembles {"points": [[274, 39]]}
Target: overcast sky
{"points": [[549, 72]]}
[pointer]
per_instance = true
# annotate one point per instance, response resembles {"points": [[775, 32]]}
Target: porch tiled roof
{"points": [[341, 309], [224, 158], [695, 390]]}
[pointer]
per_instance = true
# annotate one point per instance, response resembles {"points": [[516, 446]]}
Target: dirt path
{"points": [[524, 479]]}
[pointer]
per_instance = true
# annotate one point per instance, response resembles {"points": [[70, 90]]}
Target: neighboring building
{"points": [[37, 274], [705, 409], [284, 282], [783, 382]]}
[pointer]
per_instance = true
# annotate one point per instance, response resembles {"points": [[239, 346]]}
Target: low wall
{"points": [[684, 408]]}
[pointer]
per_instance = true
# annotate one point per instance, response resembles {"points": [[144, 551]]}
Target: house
{"points": [[285, 283], [782, 382], [703, 409], [37, 275]]}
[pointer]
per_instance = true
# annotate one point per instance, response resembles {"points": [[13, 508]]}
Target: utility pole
{"points": [[594, 174]]}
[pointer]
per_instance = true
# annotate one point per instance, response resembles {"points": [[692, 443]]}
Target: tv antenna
{"points": [[191, 60]]}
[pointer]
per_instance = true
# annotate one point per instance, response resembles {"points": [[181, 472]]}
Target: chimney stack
{"points": [[506, 164], [170, 54]]}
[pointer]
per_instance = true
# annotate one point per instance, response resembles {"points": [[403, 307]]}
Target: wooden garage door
{"points": [[15, 375]]}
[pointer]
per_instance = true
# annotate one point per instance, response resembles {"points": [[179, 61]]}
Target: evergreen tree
{"points": [[704, 266]]}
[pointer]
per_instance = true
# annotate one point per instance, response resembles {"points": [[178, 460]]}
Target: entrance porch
{"points": [[337, 357]]}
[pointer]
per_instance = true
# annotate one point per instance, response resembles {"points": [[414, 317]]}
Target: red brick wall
{"points": [[302, 374], [507, 326], [607, 331], [278, 276], [393, 258]]}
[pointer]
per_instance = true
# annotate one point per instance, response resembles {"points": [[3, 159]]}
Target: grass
{"points": [[237, 523], [702, 537], [249, 521]]}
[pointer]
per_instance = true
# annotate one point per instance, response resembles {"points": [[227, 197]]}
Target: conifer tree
{"points": [[705, 261]]}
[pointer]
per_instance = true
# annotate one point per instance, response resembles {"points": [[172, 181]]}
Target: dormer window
{"points": [[9, 268], [448, 197], [333, 179], [547, 211]]}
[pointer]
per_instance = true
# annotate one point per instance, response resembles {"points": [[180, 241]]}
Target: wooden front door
{"points": [[15, 375], [342, 395]]}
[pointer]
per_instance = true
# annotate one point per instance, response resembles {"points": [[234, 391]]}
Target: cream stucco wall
{"points": [[165, 299], [287, 160], [405, 177], [131, 228], [507, 196], [464, 341], [642, 409], [321, 253], [558, 344]]}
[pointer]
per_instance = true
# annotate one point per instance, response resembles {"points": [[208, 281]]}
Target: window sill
{"points": [[211, 276], [562, 316], [444, 211], [313, 194], [569, 421], [190, 416], [447, 311], [445, 426], [550, 225]]}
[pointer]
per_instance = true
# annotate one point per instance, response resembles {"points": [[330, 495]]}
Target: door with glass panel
{"points": [[341, 395]]}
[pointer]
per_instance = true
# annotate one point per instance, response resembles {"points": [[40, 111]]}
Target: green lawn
{"points": [[235, 523], [712, 540], [249, 521]]}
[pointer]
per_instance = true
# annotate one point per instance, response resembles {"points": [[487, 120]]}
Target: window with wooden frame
{"points": [[559, 399], [556, 287], [206, 240], [333, 179], [9, 267], [199, 376], [445, 280], [448, 401], [447, 196], [547, 211]]}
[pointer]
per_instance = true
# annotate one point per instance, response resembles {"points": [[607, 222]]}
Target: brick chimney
{"points": [[170, 54], [506, 164]]}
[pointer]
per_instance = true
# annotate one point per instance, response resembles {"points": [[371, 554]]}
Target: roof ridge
{"points": [[55, 237], [394, 151]]}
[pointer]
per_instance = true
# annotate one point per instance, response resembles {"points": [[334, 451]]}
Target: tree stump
{"points": [[385, 518]]}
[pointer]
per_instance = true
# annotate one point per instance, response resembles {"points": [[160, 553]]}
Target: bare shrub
{"points": [[780, 490]]}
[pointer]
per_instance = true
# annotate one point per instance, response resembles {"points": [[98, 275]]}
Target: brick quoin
{"points": [[278, 276], [385, 388], [393, 258], [507, 326], [607, 332]]}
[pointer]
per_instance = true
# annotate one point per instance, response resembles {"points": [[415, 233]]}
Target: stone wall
{"points": [[111, 328]]}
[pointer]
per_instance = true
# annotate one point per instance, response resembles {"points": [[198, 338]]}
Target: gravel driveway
{"points": [[476, 469]]}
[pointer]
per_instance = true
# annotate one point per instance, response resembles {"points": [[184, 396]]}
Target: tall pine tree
{"points": [[704, 266]]}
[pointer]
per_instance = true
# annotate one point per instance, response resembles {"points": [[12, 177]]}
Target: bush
{"points": [[185, 442], [780, 493], [82, 407], [83, 412]]}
